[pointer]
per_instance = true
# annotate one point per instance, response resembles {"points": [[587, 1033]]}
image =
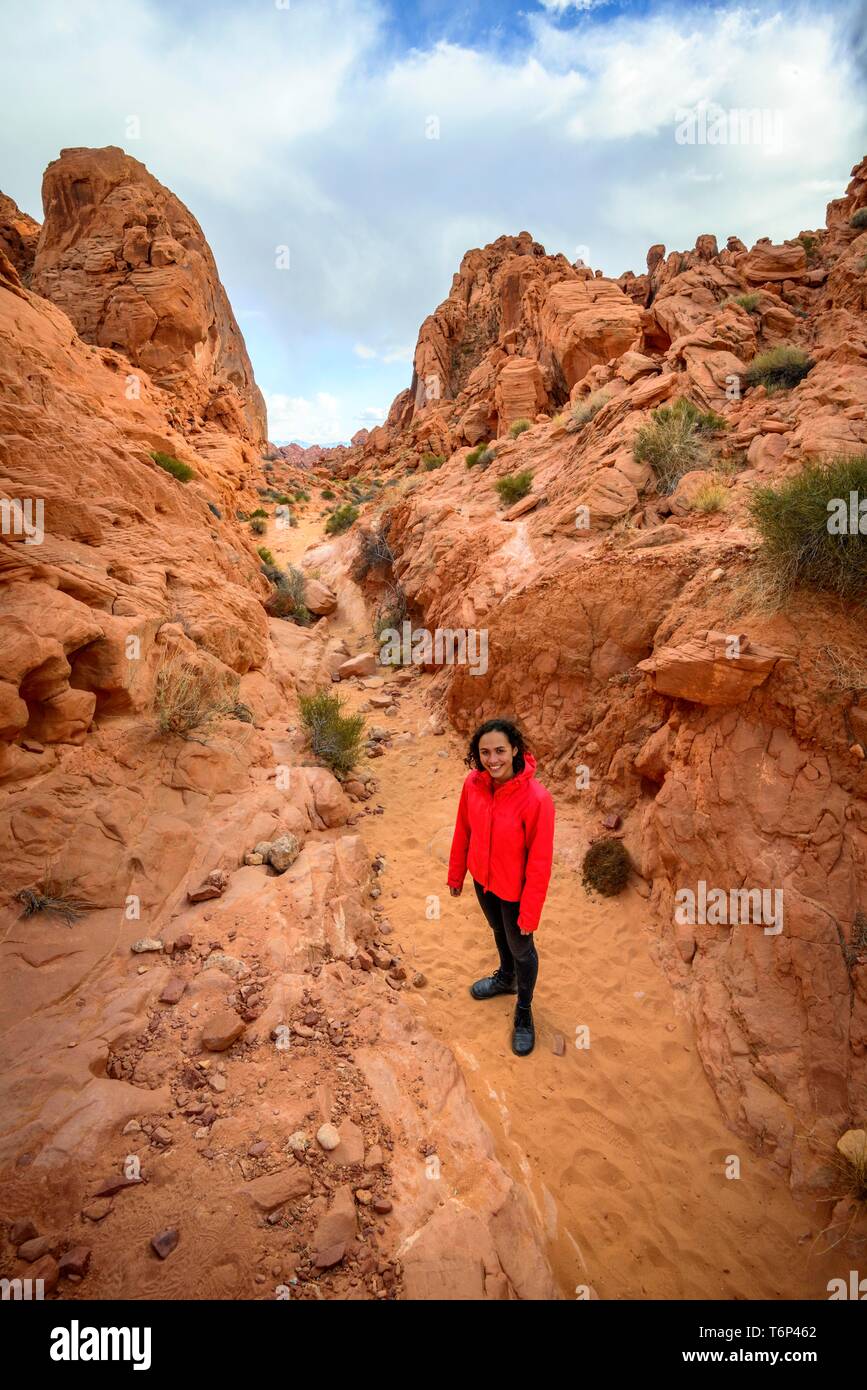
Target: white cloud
{"points": [[295, 417], [307, 127]]}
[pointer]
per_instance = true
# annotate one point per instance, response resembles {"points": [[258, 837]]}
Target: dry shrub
{"points": [[189, 696]]}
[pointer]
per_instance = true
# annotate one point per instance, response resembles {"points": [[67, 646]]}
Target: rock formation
{"points": [[130, 265], [623, 628], [136, 911]]}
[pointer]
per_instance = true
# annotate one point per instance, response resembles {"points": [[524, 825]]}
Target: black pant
{"points": [[518, 955]]}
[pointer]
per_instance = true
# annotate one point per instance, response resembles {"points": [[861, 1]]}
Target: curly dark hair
{"points": [[502, 726]]}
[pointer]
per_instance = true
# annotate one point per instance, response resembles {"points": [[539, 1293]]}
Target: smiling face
{"points": [[496, 755]]}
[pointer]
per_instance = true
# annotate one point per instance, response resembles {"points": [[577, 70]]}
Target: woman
{"points": [[505, 836]]}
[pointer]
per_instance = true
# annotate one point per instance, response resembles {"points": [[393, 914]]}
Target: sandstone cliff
{"points": [[607, 602], [149, 1082]]}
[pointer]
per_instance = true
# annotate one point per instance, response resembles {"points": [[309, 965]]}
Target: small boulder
{"points": [[221, 1030]]}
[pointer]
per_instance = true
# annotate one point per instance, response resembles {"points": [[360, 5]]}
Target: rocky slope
{"points": [[172, 1052], [608, 604]]}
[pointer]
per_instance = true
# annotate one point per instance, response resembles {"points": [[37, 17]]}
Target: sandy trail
{"points": [[621, 1144]]}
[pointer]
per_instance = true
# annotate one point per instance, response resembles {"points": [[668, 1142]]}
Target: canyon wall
{"points": [[609, 606], [183, 942]]}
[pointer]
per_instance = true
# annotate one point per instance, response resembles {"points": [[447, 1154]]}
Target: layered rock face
{"points": [[518, 329], [624, 629], [130, 265], [116, 579]]}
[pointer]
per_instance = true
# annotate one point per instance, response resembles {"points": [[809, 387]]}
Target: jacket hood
{"points": [[527, 775]]}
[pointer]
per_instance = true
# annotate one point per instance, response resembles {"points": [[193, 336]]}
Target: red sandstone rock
{"points": [[133, 271]]}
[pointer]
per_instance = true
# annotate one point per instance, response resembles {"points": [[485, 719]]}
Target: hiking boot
{"points": [[492, 985], [524, 1034]]}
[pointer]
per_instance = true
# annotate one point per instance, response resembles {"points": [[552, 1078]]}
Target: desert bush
{"points": [[288, 600], [391, 611], [260, 511], [514, 486], [341, 519], [858, 220], [188, 696], [482, 455], [798, 550], [519, 426], [182, 471], [334, 738], [779, 369], [432, 461], [265, 555], [329, 494], [52, 897], [583, 411], [302, 495], [373, 551], [750, 302], [605, 868], [709, 497], [673, 442], [258, 526]]}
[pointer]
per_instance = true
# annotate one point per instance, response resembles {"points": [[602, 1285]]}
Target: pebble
{"points": [[97, 1211], [146, 943], [74, 1262], [327, 1137], [164, 1242]]}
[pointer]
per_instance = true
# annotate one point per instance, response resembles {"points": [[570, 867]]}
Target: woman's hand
{"points": [[456, 892]]}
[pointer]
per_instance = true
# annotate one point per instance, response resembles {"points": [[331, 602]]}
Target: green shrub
{"points": [[519, 426], [858, 220], [329, 493], [258, 526], [283, 498], [798, 549], [334, 738], [301, 496], [482, 455], [260, 511], [583, 411], [605, 868], [673, 442], [341, 519], [750, 302], [779, 369], [432, 461], [182, 471], [287, 601], [265, 555], [514, 486], [710, 497]]}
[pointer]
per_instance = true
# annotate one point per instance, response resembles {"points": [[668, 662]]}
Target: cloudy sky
{"points": [[342, 155]]}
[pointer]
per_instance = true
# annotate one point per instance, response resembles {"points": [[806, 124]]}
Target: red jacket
{"points": [[505, 837]]}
